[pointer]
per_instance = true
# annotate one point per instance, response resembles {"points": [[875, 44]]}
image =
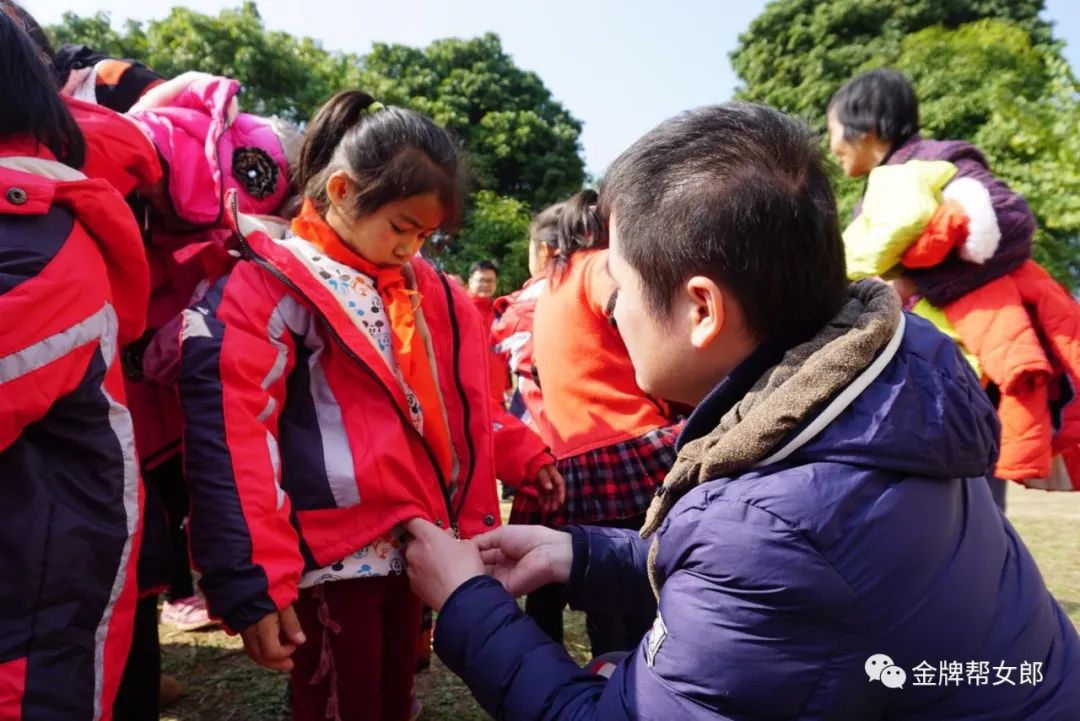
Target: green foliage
{"points": [[282, 75], [521, 141], [523, 146], [1019, 102], [797, 53], [987, 71], [496, 227], [97, 32]]}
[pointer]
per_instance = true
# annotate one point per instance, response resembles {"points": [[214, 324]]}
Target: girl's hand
{"points": [[551, 489], [263, 640], [524, 558], [438, 563]]}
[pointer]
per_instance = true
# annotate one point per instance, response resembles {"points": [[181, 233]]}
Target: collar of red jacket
{"points": [[32, 182], [264, 247]]}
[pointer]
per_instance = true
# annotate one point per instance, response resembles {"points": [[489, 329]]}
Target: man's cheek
{"points": [[631, 339]]}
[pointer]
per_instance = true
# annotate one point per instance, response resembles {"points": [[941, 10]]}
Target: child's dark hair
{"points": [[31, 27], [483, 265], [737, 193], [545, 226], [881, 100], [29, 101], [390, 154], [567, 227]]}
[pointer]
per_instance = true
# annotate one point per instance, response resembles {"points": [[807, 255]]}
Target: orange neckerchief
{"points": [[398, 301]]}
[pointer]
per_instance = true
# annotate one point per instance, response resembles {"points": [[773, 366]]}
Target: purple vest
{"points": [[955, 277]]}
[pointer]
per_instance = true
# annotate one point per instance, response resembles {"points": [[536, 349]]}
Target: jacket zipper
{"points": [[452, 517], [456, 332]]}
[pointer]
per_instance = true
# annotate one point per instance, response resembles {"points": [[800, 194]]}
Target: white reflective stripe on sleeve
{"points": [[194, 325], [275, 464], [288, 315], [41, 167], [120, 421], [514, 345], [100, 327], [337, 453]]}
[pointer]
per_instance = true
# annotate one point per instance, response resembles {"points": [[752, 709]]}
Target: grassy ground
{"points": [[1049, 523], [221, 684]]}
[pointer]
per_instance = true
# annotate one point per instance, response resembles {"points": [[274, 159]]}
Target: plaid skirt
{"points": [[608, 483]]}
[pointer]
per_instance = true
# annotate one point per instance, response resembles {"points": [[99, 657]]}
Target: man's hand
{"points": [[551, 489], [524, 558], [438, 563], [271, 640]]}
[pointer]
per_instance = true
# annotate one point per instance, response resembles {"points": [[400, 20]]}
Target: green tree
{"points": [[496, 227], [1019, 102], [97, 32], [987, 71], [798, 52], [522, 143], [282, 75], [523, 146]]}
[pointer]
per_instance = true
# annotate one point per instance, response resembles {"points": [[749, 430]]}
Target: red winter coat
{"points": [[512, 336], [297, 443], [500, 378], [73, 288], [1025, 330], [117, 149]]}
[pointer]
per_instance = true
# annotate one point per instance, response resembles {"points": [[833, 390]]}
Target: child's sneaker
{"points": [[187, 614]]}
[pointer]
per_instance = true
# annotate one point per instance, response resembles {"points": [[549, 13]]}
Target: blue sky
{"points": [[620, 66]]}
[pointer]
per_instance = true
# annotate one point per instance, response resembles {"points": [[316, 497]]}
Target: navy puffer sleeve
{"points": [[739, 635]]}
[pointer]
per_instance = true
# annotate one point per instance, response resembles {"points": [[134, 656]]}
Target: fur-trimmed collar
{"points": [[801, 395]]}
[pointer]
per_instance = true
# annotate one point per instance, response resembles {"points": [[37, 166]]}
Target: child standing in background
{"points": [[614, 443]]}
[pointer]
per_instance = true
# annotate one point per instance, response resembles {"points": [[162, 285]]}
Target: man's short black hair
{"points": [[483, 265], [738, 193], [881, 100]]}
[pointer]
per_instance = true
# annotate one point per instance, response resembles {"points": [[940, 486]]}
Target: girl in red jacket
{"points": [[73, 291], [614, 443], [335, 385]]}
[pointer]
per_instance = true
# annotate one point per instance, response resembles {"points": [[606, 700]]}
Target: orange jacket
{"points": [[590, 393], [1025, 330]]}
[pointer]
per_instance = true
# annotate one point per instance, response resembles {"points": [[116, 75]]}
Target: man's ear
{"points": [[708, 314]]}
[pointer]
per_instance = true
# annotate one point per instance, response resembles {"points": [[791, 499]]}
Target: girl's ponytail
{"points": [[321, 139], [568, 227], [580, 225]]}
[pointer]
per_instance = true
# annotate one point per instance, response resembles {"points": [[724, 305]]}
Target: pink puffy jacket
{"points": [[206, 150]]}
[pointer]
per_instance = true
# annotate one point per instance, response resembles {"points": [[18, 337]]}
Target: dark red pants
{"points": [[360, 656]]}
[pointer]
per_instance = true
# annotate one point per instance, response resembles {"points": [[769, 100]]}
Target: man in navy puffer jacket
{"points": [[826, 546]]}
